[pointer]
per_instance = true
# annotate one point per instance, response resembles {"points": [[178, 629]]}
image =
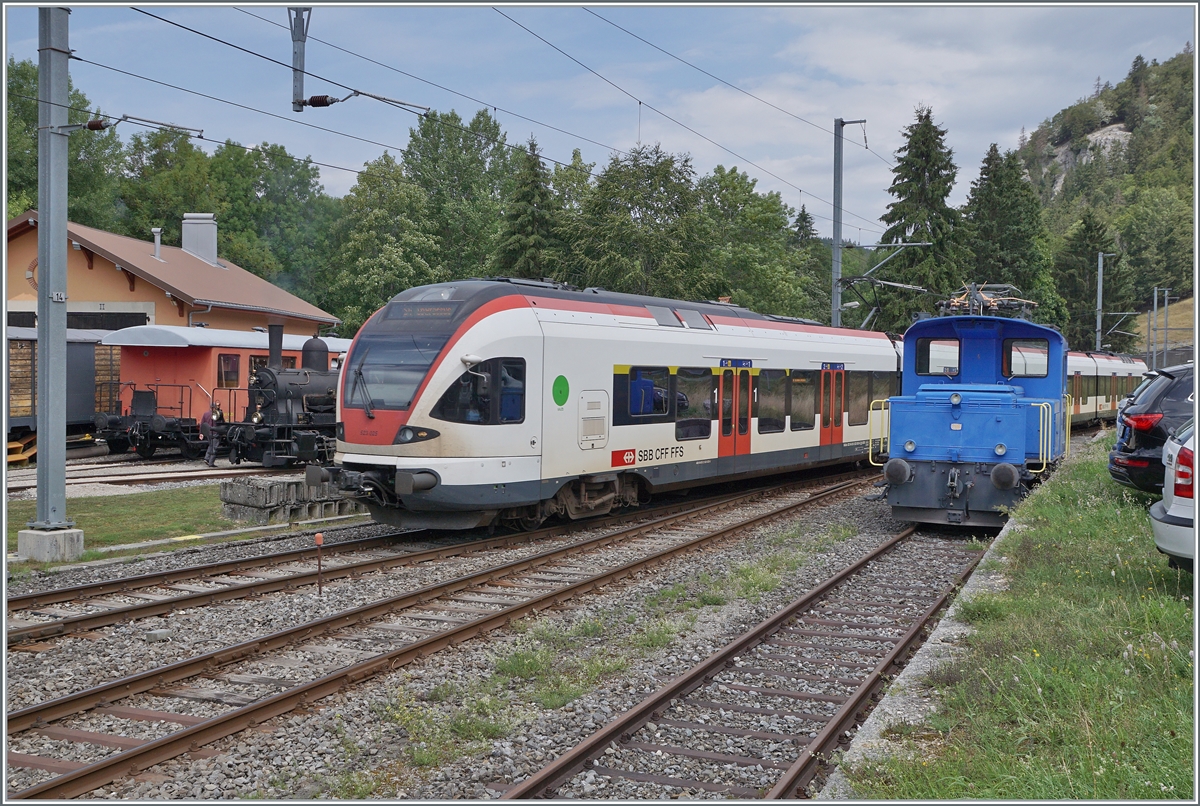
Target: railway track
{"points": [[44, 615], [271, 675], [154, 477], [759, 717]]}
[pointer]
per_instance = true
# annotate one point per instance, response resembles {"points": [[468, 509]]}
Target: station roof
{"points": [[185, 276], [175, 336]]}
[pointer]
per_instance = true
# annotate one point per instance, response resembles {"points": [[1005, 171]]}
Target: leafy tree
{"points": [[466, 171], [93, 158], [385, 244], [923, 178], [1156, 233], [165, 177], [641, 229], [530, 222], [749, 245], [1075, 268]]}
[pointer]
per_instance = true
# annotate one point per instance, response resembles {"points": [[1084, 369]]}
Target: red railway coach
{"points": [[171, 375], [508, 401]]}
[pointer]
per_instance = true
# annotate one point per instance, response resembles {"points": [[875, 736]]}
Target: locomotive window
{"points": [[227, 370], [649, 391], [490, 392], [858, 397], [804, 399], [937, 357], [695, 395], [770, 400], [1025, 358], [387, 368], [256, 361], [882, 384]]}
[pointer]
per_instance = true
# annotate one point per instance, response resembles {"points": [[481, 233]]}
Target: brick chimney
{"points": [[200, 236]]}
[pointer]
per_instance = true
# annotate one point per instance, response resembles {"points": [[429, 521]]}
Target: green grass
{"points": [[114, 520], [1077, 682]]}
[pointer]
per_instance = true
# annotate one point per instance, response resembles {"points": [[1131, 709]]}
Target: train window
{"points": [[490, 392], [882, 385], [1025, 358], [387, 368], [664, 316], [858, 397], [726, 402], [937, 357], [770, 400], [695, 394], [804, 399], [743, 401], [649, 391], [256, 361], [227, 370], [693, 319]]}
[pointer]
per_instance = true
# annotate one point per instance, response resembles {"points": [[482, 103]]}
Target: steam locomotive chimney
{"points": [[275, 346]]}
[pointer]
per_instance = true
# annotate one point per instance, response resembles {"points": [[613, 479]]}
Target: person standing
{"points": [[210, 418]]}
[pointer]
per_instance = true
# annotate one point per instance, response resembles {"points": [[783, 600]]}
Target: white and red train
{"points": [[484, 402]]}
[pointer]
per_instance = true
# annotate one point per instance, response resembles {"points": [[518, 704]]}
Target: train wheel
{"points": [[235, 458], [118, 445], [146, 449], [530, 522], [190, 451]]}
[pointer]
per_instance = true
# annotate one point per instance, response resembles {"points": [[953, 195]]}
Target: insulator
{"points": [[322, 100], [97, 125]]}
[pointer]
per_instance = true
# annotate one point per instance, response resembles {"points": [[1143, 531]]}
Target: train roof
{"points": [[176, 336], [950, 325], [73, 334], [475, 292]]}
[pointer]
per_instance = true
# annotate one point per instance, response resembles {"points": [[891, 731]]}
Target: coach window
{"points": [[695, 395], [743, 398], [1026, 358], [648, 391], [937, 357], [227, 370], [770, 400], [882, 384], [726, 402], [858, 397], [804, 399], [492, 391]]}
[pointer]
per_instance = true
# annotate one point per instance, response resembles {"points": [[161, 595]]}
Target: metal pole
{"points": [[1099, 294], [1153, 330], [298, 17], [1166, 325], [836, 296], [53, 52]]}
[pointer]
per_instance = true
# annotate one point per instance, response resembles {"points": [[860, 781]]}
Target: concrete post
{"points": [[51, 536]]}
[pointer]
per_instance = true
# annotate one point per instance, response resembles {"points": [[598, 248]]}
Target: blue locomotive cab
{"points": [[984, 418]]}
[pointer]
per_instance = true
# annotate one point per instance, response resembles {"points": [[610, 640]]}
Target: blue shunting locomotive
{"points": [[981, 417]]}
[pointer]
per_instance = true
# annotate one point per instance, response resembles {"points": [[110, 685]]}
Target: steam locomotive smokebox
{"points": [[264, 501]]}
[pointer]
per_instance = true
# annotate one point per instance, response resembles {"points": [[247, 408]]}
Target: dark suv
{"points": [[1145, 423]]}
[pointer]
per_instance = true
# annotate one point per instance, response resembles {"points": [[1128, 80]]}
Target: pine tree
{"points": [[530, 222], [804, 229], [1075, 268], [923, 178]]}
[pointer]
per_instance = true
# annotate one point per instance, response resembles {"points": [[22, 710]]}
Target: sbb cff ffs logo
{"points": [[624, 458]]}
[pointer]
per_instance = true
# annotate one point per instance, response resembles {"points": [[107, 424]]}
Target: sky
{"points": [[985, 71]]}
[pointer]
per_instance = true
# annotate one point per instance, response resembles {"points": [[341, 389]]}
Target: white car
{"points": [[1172, 518]]}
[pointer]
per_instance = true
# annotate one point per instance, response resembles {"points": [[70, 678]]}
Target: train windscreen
{"points": [[384, 371]]}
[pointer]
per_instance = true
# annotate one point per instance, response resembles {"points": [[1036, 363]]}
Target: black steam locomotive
{"points": [[291, 415]]}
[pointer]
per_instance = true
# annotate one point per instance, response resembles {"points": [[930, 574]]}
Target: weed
{"points": [[656, 636], [474, 728], [443, 692], [590, 628], [556, 694], [526, 663]]}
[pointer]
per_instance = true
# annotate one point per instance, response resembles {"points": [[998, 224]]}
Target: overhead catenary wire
{"points": [[733, 86], [673, 120]]}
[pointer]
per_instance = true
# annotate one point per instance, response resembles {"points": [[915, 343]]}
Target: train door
{"points": [[1077, 392], [1112, 392], [833, 388], [734, 392]]}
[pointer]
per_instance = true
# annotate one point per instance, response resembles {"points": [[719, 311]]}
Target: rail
{"points": [[1045, 434], [885, 423]]}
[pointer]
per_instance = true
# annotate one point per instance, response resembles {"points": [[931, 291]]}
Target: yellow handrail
{"points": [[1045, 431], [885, 422], [1068, 404]]}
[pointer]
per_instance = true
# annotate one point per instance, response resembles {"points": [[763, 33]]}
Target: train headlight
{"points": [[1001, 449], [910, 446], [955, 399], [405, 435], [408, 434]]}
